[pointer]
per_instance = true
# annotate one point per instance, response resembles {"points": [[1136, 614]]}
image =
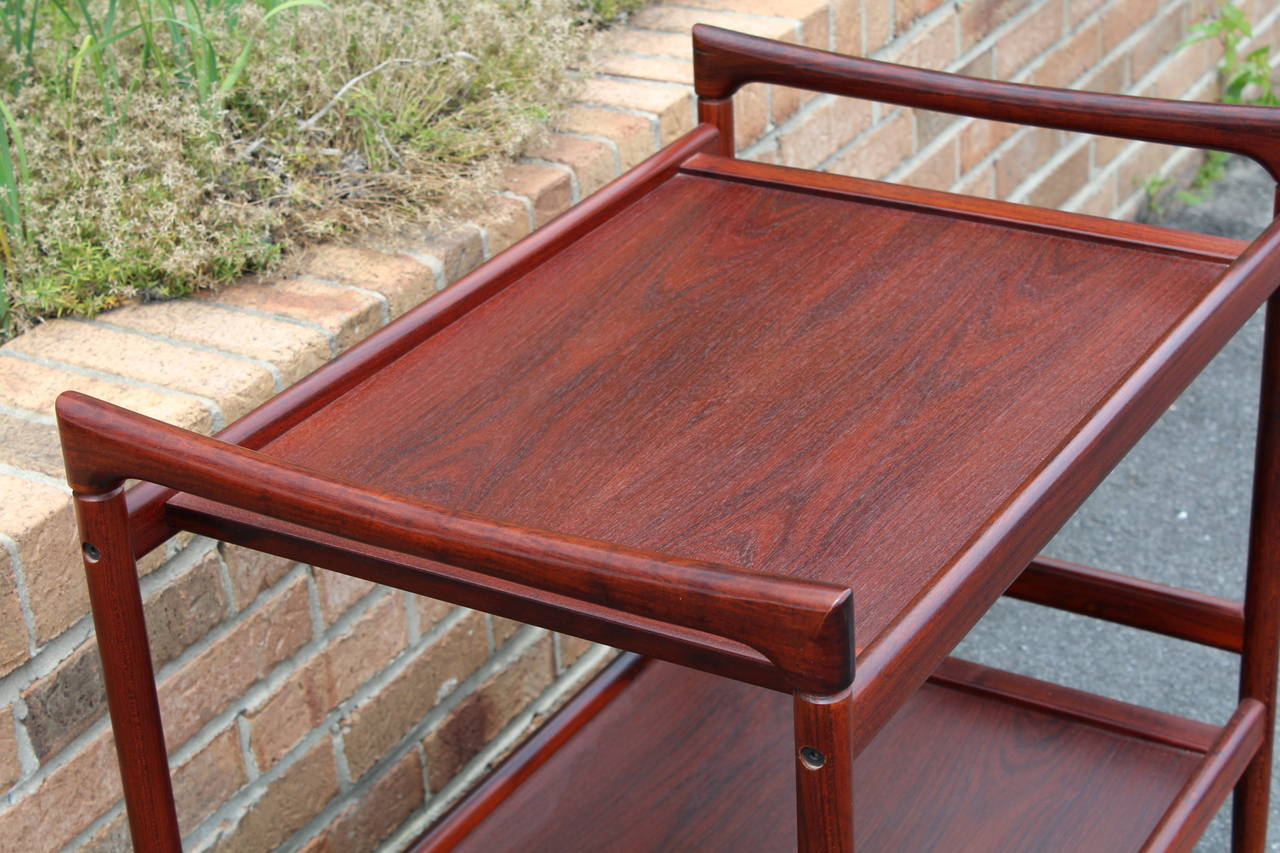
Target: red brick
{"points": [[592, 162], [200, 690], [380, 722], [26, 824], [10, 765], [827, 128], [632, 134], [402, 280], [208, 778], [1063, 182], [288, 803], [548, 189], [1028, 39], [376, 814], [251, 572], [14, 646], [338, 592], [483, 714]]}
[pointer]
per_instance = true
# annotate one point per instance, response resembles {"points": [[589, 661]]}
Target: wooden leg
{"points": [[126, 665], [1262, 599], [824, 773]]}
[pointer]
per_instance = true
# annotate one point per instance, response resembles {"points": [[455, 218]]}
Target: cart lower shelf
{"points": [[656, 757]]}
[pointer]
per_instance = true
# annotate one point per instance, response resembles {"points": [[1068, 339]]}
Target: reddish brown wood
{"points": [[804, 627], [1180, 613], [1262, 592], [1204, 792], [126, 668], [824, 773], [719, 112], [685, 761], [724, 60]]}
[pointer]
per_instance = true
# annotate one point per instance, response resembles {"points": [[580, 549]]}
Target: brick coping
{"points": [[202, 362]]}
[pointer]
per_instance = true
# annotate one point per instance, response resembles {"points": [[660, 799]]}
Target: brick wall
{"points": [[307, 711]]}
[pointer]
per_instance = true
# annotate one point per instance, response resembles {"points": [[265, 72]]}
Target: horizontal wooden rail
{"points": [[1167, 610], [804, 627], [724, 60]]}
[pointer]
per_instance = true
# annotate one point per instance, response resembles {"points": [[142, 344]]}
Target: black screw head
{"points": [[91, 552], [812, 758]]}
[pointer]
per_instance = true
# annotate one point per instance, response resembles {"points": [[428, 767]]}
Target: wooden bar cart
{"points": [[784, 437]]}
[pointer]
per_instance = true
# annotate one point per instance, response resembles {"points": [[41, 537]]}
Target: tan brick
{"points": [[294, 350], [880, 153], [382, 808], [1101, 200], [113, 837], [982, 65], [460, 250], [26, 825], [288, 803], [1028, 39], [979, 138], [236, 385], [681, 20], [1110, 76], [1138, 167], [1121, 18], [931, 125], [34, 387], [830, 126], [548, 189], [31, 445], [430, 612], [672, 105], [786, 101], [14, 644], [750, 114], [937, 171], [572, 648], [380, 722], [505, 222], [1176, 77], [1063, 182], [1160, 38], [369, 645], [39, 519], [592, 162], [932, 47], [208, 778], [878, 15], [1071, 59], [665, 69], [347, 315], [192, 696], [648, 42], [251, 571], [631, 133], [338, 592], [186, 609], [10, 765], [402, 280], [65, 702], [483, 714], [1031, 148], [1078, 10], [981, 18], [846, 23]]}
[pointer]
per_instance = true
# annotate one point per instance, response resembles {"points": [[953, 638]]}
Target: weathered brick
{"points": [[382, 808], [208, 778], [1027, 39], [631, 133], [338, 592], [881, 151], [14, 644], [235, 384], [664, 69], [831, 125], [459, 250], [936, 171], [479, 717], [10, 764], [65, 702], [193, 695], [430, 612], [1071, 59], [185, 610], [304, 700], [251, 571], [930, 125], [1063, 182], [503, 630], [29, 444], [346, 315], [548, 189], [402, 280], [672, 105], [381, 721], [287, 804], [592, 162], [113, 837], [572, 648], [39, 519], [34, 387], [26, 824], [505, 221], [294, 350]]}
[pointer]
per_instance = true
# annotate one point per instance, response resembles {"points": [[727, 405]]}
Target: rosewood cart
{"points": [[787, 435]]}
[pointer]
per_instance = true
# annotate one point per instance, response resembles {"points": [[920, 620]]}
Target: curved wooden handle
{"points": [[724, 60], [804, 627]]}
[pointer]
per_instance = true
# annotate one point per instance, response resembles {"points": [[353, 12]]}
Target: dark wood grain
{"points": [[724, 60], [1180, 613], [805, 627], [685, 761], [823, 762]]}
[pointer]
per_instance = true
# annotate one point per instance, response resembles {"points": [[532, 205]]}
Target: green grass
{"points": [[152, 147]]}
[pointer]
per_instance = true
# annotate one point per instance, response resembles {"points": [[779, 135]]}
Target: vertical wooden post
{"points": [[1258, 663], [824, 772], [719, 111], [126, 665]]}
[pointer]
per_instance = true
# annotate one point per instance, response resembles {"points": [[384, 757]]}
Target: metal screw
{"points": [[812, 758], [91, 552]]}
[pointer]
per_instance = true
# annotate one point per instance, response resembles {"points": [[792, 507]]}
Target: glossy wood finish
{"points": [[1124, 600], [724, 60], [977, 761], [823, 764]]}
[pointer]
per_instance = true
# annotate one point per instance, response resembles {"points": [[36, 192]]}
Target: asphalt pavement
{"points": [[1176, 510]]}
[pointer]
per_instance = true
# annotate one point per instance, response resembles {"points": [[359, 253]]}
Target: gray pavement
{"points": [[1176, 510]]}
